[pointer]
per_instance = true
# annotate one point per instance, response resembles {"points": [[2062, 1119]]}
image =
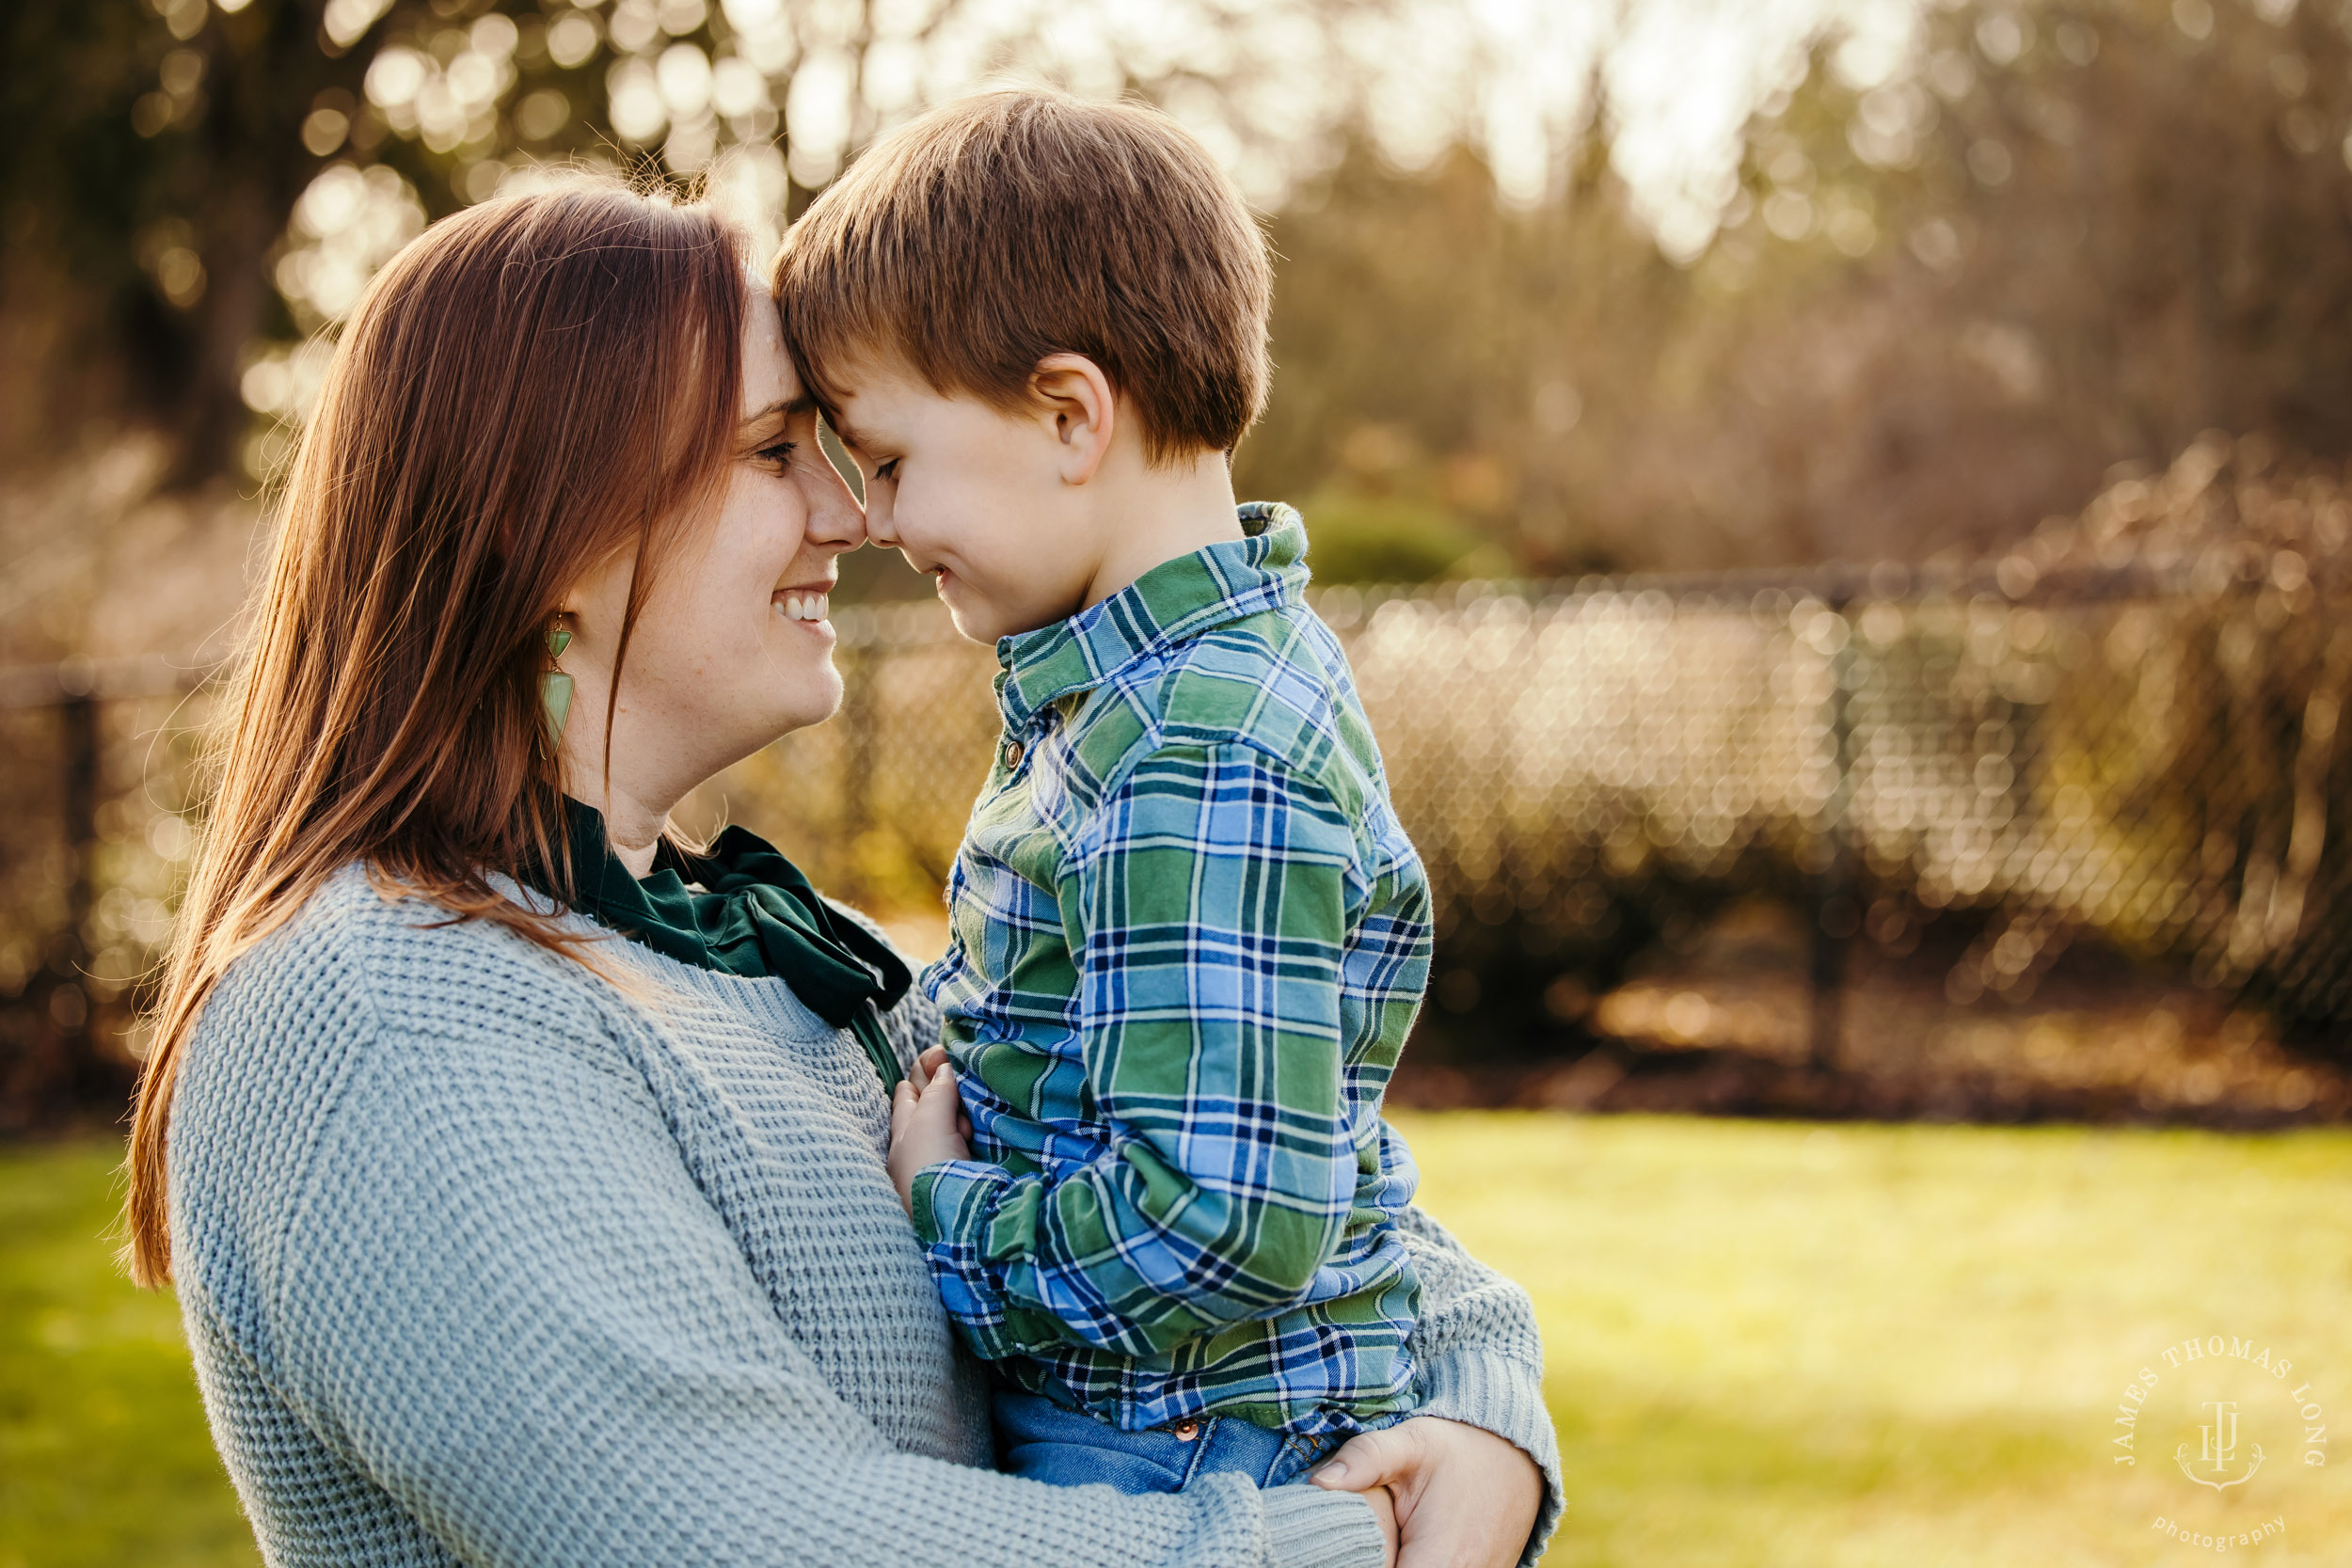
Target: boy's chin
{"points": [[978, 625], [987, 623]]}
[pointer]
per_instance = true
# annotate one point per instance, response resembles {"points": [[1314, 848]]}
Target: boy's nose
{"points": [[880, 526]]}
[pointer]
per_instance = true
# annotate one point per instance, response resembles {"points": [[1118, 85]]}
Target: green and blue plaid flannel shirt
{"points": [[1188, 939]]}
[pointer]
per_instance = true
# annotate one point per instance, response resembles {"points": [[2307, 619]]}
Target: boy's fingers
{"points": [[942, 1103]]}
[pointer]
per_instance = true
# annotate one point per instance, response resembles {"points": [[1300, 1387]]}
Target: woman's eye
{"points": [[886, 470], [779, 453]]}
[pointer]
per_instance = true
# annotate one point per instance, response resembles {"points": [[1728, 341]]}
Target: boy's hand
{"points": [[927, 1123]]}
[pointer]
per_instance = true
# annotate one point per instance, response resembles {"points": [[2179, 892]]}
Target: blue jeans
{"points": [[1041, 1440]]}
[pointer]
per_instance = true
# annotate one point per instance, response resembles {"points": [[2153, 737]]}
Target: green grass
{"points": [[1772, 1344], [1769, 1344], [104, 1456]]}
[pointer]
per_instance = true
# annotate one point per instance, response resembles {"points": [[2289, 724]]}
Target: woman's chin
{"points": [[818, 701]]}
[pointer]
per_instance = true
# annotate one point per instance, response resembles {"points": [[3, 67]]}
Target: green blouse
{"points": [[742, 909]]}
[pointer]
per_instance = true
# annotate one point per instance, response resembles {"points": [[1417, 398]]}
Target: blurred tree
{"points": [[1439, 350], [2083, 231], [161, 149], [1945, 300], [153, 159]]}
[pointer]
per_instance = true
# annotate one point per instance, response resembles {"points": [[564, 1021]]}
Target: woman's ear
{"points": [[1072, 390]]}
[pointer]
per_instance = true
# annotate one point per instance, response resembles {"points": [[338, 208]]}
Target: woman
{"points": [[502, 1240]]}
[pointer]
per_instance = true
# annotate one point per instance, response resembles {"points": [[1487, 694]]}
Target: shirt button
{"points": [[1012, 753], [1185, 1431]]}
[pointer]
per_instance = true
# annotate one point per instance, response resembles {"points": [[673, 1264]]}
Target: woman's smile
{"points": [[810, 604]]}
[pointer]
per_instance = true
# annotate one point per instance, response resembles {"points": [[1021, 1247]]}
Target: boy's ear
{"points": [[1072, 390]]}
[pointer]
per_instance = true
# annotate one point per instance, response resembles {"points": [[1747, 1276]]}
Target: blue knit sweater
{"points": [[484, 1262]]}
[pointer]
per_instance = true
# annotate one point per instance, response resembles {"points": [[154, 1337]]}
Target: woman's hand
{"points": [[1383, 1504], [927, 1122], [1464, 1497]]}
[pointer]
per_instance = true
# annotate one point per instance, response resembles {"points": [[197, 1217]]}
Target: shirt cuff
{"points": [[952, 1204], [951, 1201], [1306, 1526], [1504, 1395]]}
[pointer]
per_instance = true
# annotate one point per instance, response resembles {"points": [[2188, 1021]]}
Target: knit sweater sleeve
{"points": [[502, 1297], [1482, 1360]]}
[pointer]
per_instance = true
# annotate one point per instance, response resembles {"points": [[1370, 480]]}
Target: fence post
{"points": [[859, 715], [78, 713], [58, 1071], [1832, 914]]}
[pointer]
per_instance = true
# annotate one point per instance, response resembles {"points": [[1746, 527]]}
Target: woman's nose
{"points": [[834, 518]]}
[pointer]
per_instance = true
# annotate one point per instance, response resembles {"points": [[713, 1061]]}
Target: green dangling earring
{"points": [[555, 686]]}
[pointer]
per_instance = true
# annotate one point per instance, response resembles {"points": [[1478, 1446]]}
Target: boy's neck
{"points": [[1150, 516]]}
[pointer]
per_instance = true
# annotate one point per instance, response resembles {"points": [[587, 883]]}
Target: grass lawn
{"points": [[1770, 1344], [104, 1456]]}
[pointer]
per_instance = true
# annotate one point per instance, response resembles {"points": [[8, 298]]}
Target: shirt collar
{"points": [[1173, 601]]}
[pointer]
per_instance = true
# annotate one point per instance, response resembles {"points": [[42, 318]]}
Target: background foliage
{"points": [[1955, 269]]}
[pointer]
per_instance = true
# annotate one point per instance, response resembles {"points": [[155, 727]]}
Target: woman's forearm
{"points": [[1481, 1356]]}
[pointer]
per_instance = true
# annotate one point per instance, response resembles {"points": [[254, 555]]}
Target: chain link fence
{"points": [[2147, 754], [2128, 730]]}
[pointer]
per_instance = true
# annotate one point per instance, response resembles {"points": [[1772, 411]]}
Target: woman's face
{"points": [[733, 646]]}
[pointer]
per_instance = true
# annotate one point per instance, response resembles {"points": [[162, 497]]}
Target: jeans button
{"points": [[1185, 1431]]}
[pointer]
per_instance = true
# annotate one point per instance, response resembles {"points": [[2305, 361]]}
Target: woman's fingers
{"points": [[1465, 1497], [1372, 1459], [1384, 1514]]}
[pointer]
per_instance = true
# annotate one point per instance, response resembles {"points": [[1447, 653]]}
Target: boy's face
{"points": [[974, 496]]}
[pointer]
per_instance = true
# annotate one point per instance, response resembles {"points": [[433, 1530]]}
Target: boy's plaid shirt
{"points": [[1188, 938]]}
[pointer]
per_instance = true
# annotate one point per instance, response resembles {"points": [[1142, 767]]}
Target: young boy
{"points": [[1188, 934]]}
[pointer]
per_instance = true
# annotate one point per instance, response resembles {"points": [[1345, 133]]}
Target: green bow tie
{"points": [[743, 908]]}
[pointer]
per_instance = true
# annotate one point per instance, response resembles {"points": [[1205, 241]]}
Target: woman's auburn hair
{"points": [[527, 389]]}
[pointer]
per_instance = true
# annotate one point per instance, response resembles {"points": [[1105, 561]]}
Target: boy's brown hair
{"points": [[1007, 225]]}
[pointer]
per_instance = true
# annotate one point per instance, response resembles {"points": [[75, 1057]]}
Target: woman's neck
{"points": [[633, 828]]}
